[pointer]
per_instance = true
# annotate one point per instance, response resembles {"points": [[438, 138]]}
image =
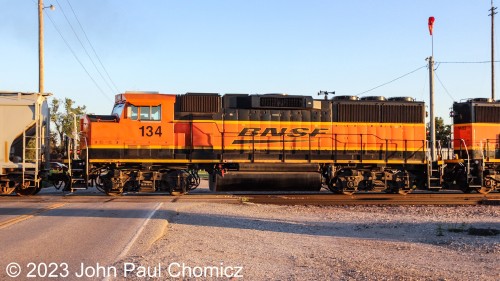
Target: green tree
{"points": [[443, 132], [62, 119]]}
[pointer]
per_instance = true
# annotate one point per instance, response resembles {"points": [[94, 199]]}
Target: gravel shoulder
{"points": [[324, 243]]}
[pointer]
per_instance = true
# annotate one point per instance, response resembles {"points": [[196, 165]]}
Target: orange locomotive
{"points": [[154, 142], [476, 145]]}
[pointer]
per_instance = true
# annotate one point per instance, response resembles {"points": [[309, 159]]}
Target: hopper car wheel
{"points": [[37, 190], [26, 189], [7, 188]]}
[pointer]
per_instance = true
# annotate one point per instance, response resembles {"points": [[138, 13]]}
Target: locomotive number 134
{"points": [[149, 131]]}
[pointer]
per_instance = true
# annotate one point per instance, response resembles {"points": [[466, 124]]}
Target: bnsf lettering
{"points": [[274, 132], [318, 132]]}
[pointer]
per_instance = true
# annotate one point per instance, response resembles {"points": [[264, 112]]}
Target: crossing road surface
{"points": [[55, 239]]}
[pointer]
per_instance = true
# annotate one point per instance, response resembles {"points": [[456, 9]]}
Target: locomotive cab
{"points": [[138, 122], [140, 127]]}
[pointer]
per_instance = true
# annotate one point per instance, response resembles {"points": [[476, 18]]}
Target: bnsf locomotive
{"points": [[158, 142]]}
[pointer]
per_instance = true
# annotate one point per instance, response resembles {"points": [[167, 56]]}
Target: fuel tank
{"points": [[268, 177]]}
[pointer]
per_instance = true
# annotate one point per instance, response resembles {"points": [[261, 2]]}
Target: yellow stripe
{"points": [[477, 124], [494, 160], [21, 218], [479, 147], [186, 161], [248, 148], [152, 161], [302, 123], [6, 153], [326, 124]]}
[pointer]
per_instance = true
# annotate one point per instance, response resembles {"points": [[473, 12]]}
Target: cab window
{"points": [[156, 113], [134, 112], [117, 110], [145, 113]]}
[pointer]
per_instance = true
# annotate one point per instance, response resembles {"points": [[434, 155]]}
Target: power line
{"points": [[442, 85], [92, 47], [393, 80], [85, 49], [76, 57], [465, 62]]}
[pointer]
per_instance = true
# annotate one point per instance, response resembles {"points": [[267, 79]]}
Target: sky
{"points": [[254, 46]]}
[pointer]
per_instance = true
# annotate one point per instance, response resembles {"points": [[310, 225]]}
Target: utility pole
{"points": [[492, 10], [432, 123], [41, 88], [40, 47]]}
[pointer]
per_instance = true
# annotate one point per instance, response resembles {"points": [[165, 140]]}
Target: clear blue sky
{"points": [[257, 46]]}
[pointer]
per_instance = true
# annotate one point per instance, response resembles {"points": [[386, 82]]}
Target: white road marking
{"points": [[132, 241]]}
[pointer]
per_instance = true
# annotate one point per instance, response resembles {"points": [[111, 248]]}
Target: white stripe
{"points": [[132, 241]]}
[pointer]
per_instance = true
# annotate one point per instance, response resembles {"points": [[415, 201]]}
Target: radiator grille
{"points": [[487, 114], [281, 102], [208, 103]]}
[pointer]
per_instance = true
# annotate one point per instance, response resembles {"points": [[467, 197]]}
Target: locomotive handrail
{"points": [[462, 141], [488, 148], [384, 144], [86, 157]]}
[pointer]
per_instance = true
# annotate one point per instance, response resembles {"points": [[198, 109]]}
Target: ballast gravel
{"points": [[272, 242]]}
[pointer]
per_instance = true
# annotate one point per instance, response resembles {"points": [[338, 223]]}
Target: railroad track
{"points": [[279, 199]]}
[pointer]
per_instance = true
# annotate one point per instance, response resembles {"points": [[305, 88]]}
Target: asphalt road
{"points": [[54, 235], [57, 238]]}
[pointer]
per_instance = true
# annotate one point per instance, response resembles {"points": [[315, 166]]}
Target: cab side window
{"points": [[145, 113], [134, 112], [156, 113]]}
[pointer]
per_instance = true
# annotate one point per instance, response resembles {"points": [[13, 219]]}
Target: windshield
{"points": [[118, 109]]}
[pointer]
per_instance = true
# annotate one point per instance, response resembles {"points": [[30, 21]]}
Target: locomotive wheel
{"points": [[403, 191], [26, 189], [115, 192], [335, 185], [483, 189], [177, 193]]}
